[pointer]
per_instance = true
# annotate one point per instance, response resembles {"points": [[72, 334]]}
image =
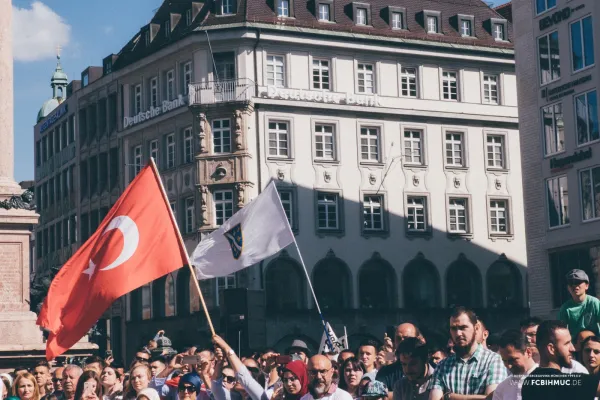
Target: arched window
{"points": [[158, 294], [331, 281], [183, 291], [147, 301], [463, 284], [285, 285], [169, 296], [421, 284], [504, 285], [376, 284]]}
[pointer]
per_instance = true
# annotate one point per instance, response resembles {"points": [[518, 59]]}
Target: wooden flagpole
{"points": [[187, 257]]}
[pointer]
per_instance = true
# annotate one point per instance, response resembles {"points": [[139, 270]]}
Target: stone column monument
{"points": [[21, 338]]}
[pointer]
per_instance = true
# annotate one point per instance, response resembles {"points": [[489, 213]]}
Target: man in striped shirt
{"points": [[473, 372]]}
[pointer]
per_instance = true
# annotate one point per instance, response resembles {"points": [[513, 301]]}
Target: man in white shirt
{"points": [[517, 356], [320, 385]]}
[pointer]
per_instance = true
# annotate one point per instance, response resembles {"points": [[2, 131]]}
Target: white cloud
{"points": [[108, 30], [37, 31]]}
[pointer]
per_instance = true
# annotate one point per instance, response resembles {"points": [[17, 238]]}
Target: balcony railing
{"points": [[222, 91]]}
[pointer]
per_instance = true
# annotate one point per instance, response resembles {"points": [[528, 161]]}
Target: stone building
{"points": [[390, 130], [558, 83]]}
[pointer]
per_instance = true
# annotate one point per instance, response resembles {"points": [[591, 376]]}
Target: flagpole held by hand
{"points": [[187, 257]]}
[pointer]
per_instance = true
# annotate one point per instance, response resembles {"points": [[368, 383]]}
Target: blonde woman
{"points": [[26, 387]]}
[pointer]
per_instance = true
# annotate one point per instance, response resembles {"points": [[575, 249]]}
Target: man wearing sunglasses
{"points": [[582, 311], [142, 356], [189, 386]]}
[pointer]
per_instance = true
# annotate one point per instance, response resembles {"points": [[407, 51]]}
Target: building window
{"points": [[449, 85], [154, 92], [369, 144], [416, 214], [324, 12], [287, 201], [590, 193], [283, 8], [223, 206], [544, 5], [187, 76], [466, 28], [325, 142], [188, 145], [224, 282], [279, 136], [138, 99], [495, 151], [499, 31], [373, 213], [167, 29], [499, 217], [490, 89], [582, 43], [189, 215], [170, 85], [221, 129], [413, 147], [558, 201], [170, 150], [432, 24], [173, 207], [154, 150], [327, 209], [275, 71], [188, 17], [408, 78], [586, 114], [137, 159], [397, 20], [454, 149], [457, 213], [321, 74], [227, 7], [553, 129], [365, 78], [361, 16], [146, 294], [549, 57]]}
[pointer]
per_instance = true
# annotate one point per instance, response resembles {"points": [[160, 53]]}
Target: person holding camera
{"points": [[88, 386]]}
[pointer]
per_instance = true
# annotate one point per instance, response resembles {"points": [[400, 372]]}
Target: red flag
{"points": [[135, 244]]}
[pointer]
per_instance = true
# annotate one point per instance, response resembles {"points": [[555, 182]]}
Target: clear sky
{"points": [[86, 30]]}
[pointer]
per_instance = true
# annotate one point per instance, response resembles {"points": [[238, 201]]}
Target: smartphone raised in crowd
{"points": [[191, 360], [283, 360]]}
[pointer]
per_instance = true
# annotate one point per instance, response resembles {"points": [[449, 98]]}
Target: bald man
{"points": [[392, 373], [320, 378], [57, 376]]}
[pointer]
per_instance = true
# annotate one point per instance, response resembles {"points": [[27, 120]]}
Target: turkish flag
{"points": [[135, 244]]}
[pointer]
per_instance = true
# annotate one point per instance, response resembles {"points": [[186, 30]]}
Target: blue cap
{"points": [[375, 389], [191, 378]]}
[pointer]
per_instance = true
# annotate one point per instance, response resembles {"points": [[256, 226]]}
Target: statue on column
{"points": [[203, 208], [240, 187], [238, 130], [202, 132]]}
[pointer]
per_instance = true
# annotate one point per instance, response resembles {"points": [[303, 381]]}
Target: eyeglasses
{"points": [[56, 380], [187, 389], [228, 379], [315, 372], [142, 359], [253, 370]]}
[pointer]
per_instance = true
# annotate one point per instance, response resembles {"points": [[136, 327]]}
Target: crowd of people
{"points": [[553, 359]]}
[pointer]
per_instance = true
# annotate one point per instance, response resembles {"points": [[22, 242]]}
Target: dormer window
{"points": [[188, 17], [85, 79], [465, 25], [432, 21], [361, 16], [167, 29], [283, 8], [397, 17], [227, 7], [324, 12], [362, 13], [498, 31]]}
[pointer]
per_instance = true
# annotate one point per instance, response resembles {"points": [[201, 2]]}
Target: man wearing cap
{"points": [[582, 311], [374, 390], [299, 351]]}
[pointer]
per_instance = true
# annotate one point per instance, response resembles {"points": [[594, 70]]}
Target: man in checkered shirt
{"points": [[473, 372]]}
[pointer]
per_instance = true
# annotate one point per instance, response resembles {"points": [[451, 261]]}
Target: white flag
{"points": [[338, 344], [254, 233]]}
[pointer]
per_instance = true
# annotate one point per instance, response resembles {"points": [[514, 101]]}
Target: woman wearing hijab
{"points": [[148, 394], [295, 382]]}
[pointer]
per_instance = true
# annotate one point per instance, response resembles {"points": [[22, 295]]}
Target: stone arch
{"points": [[421, 284], [463, 284], [332, 282], [377, 283], [504, 284], [285, 284]]}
